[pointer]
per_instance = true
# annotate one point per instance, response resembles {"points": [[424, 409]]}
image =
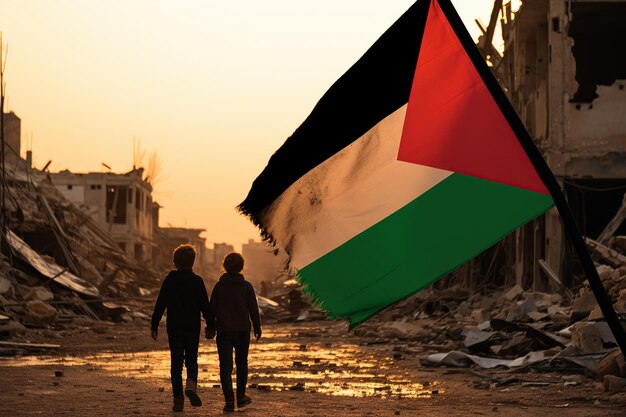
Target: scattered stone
{"points": [[609, 364], [262, 387], [39, 314], [604, 271], [614, 383], [587, 337], [620, 304], [521, 310], [513, 293], [584, 304], [39, 293], [596, 314], [11, 329], [5, 285], [299, 386], [161, 389], [58, 374]]}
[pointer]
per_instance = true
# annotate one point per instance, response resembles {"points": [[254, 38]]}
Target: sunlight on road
{"points": [[276, 364]]}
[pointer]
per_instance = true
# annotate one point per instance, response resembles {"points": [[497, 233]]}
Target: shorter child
{"points": [[184, 296], [234, 304]]}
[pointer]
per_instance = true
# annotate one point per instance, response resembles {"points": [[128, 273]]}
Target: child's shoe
{"points": [[191, 391], [179, 403], [243, 402]]}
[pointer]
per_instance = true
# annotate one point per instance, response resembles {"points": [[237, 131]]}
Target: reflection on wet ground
{"points": [[277, 362]]}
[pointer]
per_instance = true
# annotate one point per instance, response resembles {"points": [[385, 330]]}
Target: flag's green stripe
{"points": [[429, 237]]}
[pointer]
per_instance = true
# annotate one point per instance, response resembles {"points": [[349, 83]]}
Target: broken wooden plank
{"points": [[28, 345]]}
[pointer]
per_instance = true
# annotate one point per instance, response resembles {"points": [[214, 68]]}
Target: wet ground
{"points": [[308, 369]]}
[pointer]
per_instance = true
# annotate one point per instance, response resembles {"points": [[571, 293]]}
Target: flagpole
{"points": [[543, 170]]}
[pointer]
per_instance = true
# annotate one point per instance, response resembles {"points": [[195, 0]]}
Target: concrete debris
{"points": [[39, 293], [587, 336], [39, 314], [614, 383], [510, 327], [56, 263], [613, 363], [5, 285], [513, 293]]}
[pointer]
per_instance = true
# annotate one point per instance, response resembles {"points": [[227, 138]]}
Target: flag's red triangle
{"points": [[452, 120]]}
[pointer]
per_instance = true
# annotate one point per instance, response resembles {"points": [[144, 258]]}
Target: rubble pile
{"points": [[513, 327], [57, 264], [286, 303]]}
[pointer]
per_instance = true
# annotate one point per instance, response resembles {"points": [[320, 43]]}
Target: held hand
{"points": [[154, 334], [257, 335], [209, 334]]}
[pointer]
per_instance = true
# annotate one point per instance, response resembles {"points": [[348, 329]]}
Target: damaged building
{"points": [[119, 203], [261, 263], [166, 239], [563, 67]]}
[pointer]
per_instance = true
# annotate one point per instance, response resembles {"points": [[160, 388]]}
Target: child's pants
{"points": [[183, 348], [240, 342]]}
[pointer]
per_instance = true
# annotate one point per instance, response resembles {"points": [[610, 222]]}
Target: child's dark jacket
{"points": [[184, 295], [234, 304]]}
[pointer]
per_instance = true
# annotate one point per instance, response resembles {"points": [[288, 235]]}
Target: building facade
{"points": [[120, 203]]}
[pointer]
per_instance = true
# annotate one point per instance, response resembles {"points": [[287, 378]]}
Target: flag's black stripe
{"points": [[375, 86], [542, 169]]}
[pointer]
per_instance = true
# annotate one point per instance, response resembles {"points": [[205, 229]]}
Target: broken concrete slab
{"points": [[39, 293], [51, 270], [513, 293], [587, 336], [609, 364], [614, 383], [584, 304], [521, 309], [5, 285], [604, 271], [537, 316], [39, 314], [475, 338], [10, 329]]}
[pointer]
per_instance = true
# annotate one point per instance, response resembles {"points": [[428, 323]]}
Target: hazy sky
{"points": [[214, 87]]}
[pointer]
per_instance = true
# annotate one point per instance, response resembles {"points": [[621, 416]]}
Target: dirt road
{"points": [[309, 369]]}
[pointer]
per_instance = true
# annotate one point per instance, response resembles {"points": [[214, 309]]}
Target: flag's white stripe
{"points": [[348, 193]]}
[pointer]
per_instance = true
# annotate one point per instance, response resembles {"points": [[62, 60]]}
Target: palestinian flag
{"points": [[410, 165]]}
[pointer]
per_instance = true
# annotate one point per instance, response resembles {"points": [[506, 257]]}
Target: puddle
{"points": [[277, 363]]}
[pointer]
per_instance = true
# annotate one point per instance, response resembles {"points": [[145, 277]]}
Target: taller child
{"points": [[184, 296], [234, 304]]}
